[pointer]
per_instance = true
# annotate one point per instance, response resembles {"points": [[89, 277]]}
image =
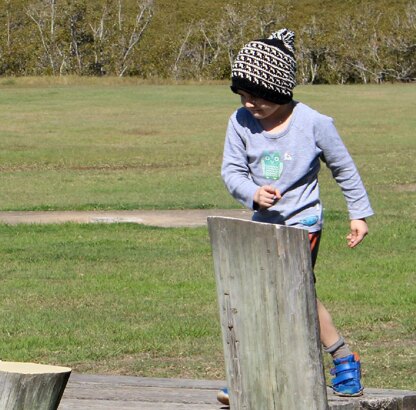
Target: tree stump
{"points": [[31, 386], [268, 315]]}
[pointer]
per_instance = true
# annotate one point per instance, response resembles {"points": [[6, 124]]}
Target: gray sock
{"points": [[339, 349]]}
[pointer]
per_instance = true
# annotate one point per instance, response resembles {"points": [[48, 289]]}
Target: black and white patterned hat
{"points": [[266, 68]]}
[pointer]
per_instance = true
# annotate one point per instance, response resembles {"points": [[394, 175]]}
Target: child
{"points": [[271, 162]]}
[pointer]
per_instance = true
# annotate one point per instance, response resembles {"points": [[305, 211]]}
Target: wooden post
{"points": [[268, 315], [31, 386]]}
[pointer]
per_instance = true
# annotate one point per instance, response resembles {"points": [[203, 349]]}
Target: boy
{"points": [[271, 162]]}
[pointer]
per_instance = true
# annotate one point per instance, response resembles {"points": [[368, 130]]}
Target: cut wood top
{"points": [[31, 368]]}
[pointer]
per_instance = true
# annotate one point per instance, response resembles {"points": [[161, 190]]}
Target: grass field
{"points": [[127, 145], [131, 299]]}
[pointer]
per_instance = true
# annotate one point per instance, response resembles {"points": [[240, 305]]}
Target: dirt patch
{"points": [[172, 218], [141, 132], [405, 188]]}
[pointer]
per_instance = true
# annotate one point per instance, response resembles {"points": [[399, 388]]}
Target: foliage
{"points": [[355, 41]]}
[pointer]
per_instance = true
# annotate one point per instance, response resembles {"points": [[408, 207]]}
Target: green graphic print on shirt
{"points": [[272, 165]]}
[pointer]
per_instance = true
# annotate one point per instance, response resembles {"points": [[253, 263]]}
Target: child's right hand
{"points": [[266, 196]]}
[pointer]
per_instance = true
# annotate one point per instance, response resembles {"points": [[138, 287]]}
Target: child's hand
{"points": [[358, 230], [266, 196]]}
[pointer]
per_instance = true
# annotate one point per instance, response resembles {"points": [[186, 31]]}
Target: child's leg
{"points": [[330, 338], [347, 370], [347, 366]]}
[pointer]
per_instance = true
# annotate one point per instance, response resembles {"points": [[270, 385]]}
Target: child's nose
{"points": [[249, 104]]}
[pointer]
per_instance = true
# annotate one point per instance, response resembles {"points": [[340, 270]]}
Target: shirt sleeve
{"points": [[235, 170], [339, 161]]}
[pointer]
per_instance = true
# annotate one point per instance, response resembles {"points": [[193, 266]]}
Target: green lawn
{"points": [[131, 299], [112, 147], [124, 146], [116, 298]]}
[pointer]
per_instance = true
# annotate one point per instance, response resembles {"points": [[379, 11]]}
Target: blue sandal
{"points": [[223, 397], [347, 372]]}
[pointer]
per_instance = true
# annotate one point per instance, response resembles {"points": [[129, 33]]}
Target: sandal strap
{"points": [[347, 366], [344, 377]]}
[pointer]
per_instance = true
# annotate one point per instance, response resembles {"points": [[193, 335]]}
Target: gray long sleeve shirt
{"points": [[290, 161]]}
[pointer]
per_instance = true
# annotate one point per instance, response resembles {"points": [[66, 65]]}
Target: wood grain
{"points": [[268, 315]]}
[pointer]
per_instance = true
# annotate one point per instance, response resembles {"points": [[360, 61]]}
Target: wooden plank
{"points": [[146, 394], [268, 315], [128, 405], [85, 392], [125, 392], [91, 379], [125, 389], [375, 399]]}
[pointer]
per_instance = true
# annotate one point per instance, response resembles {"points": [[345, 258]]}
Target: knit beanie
{"points": [[266, 68]]}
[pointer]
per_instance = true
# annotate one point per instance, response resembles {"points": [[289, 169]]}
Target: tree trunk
{"points": [[31, 386]]}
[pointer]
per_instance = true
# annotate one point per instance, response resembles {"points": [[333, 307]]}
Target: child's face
{"points": [[258, 107]]}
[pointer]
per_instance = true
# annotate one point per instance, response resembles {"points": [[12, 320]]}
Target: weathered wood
{"points": [[375, 399], [268, 315], [31, 386], [132, 405], [87, 392]]}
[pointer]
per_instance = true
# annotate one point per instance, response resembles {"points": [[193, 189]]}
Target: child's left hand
{"points": [[358, 230]]}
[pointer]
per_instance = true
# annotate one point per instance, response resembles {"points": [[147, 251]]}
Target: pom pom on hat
{"points": [[286, 36], [266, 68]]}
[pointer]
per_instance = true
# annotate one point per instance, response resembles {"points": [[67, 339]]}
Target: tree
{"points": [[401, 46], [130, 33], [43, 15], [207, 49], [14, 59], [117, 31], [311, 53]]}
